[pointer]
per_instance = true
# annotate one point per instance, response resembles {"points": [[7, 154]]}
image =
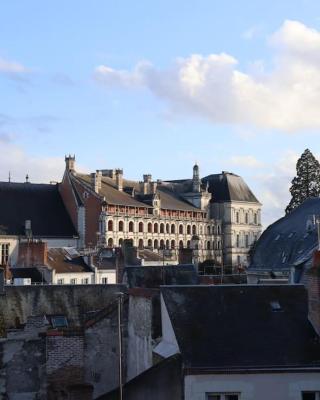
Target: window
{"points": [[4, 253], [247, 241], [140, 226], [155, 244], [237, 217], [255, 219], [130, 226], [173, 244], [223, 396], [208, 230], [85, 281], [140, 245], [181, 229], [110, 226], [149, 227], [238, 241], [149, 243], [104, 281], [173, 229], [194, 230], [246, 218], [120, 226], [310, 395], [110, 242], [161, 228], [73, 281], [167, 228], [60, 281], [161, 244], [208, 245], [155, 228], [181, 244], [188, 230]]}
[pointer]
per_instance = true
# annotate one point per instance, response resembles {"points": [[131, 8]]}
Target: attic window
{"points": [[275, 306], [290, 235], [85, 195], [277, 237]]}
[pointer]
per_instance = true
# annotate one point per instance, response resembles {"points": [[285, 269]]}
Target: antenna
{"points": [[9, 178]]}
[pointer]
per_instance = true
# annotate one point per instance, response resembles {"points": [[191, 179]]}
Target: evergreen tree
{"points": [[307, 182]]}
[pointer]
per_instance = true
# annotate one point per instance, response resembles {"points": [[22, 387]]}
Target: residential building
{"points": [[255, 342], [208, 215], [34, 212]]}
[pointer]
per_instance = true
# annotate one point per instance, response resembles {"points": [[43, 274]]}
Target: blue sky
{"points": [[155, 86]]}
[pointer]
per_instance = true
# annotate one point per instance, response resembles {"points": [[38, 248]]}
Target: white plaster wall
{"points": [[282, 386], [109, 274], [74, 275], [13, 247]]}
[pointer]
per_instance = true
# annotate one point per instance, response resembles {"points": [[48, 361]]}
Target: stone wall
{"points": [[73, 301]]}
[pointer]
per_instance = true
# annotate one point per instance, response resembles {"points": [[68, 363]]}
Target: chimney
{"points": [[110, 173], [312, 282], [96, 181], [70, 163], [119, 179], [32, 254], [27, 228], [154, 187], [147, 178], [145, 185]]}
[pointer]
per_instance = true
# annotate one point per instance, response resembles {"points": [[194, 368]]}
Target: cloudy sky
{"points": [[153, 86]]}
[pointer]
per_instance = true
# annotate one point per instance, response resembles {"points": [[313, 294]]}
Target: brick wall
{"points": [[93, 210], [32, 254]]}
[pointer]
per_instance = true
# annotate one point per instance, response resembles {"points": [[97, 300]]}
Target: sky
{"points": [[155, 86]]}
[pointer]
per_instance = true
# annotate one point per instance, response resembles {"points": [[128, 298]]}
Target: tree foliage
{"points": [[307, 182]]}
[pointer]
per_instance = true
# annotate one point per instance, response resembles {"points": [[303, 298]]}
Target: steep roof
{"points": [[229, 187], [241, 326], [289, 241], [40, 203], [64, 261]]}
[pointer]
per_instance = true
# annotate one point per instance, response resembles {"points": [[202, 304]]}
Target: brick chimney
{"points": [[312, 282], [32, 254], [70, 163], [96, 178], [119, 179]]}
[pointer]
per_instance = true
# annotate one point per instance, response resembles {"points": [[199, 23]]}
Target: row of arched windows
{"points": [[162, 228]]}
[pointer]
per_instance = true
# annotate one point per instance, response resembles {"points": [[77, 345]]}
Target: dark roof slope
{"points": [[28, 272], [155, 276], [289, 241], [40, 203], [229, 187], [235, 327], [62, 261]]}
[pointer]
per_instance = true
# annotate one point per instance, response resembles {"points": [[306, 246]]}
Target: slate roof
{"points": [[234, 327], [155, 276], [40, 203], [290, 241], [229, 187], [63, 261]]}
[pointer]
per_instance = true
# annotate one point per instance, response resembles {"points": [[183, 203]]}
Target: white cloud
{"points": [[246, 161], [20, 163], [13, 68], [214, 87]]}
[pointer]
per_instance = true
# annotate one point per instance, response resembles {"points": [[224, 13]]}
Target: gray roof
{"points": [[240, 326], [229, 187], [39, 203], [289, 241]]}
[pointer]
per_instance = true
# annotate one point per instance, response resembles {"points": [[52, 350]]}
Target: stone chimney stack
{"points": [[70, 163], [146, 183], [196, 182], [96, 178], [119, 179], [154, 187]]}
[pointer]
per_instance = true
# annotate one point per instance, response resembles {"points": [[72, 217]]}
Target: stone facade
{"points": [[159, 215]]}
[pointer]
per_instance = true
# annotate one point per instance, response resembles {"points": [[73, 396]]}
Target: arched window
{"points": [[155, 228], [167, 244], [149, 227], [149, 243], [188, 244], [168, 228], [181, 244], [219, 245], [213, 230], [162, 244], [181, 229], [120, 226], [140, 226], [161, 228], [173, 228], [110, 225], [173, 244], [140, 245], [188, 230], [194, 230], [208, 230], [131, 226], [208, 245], [110, 242], [120, 242], [200, 229], [155, 244]]}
